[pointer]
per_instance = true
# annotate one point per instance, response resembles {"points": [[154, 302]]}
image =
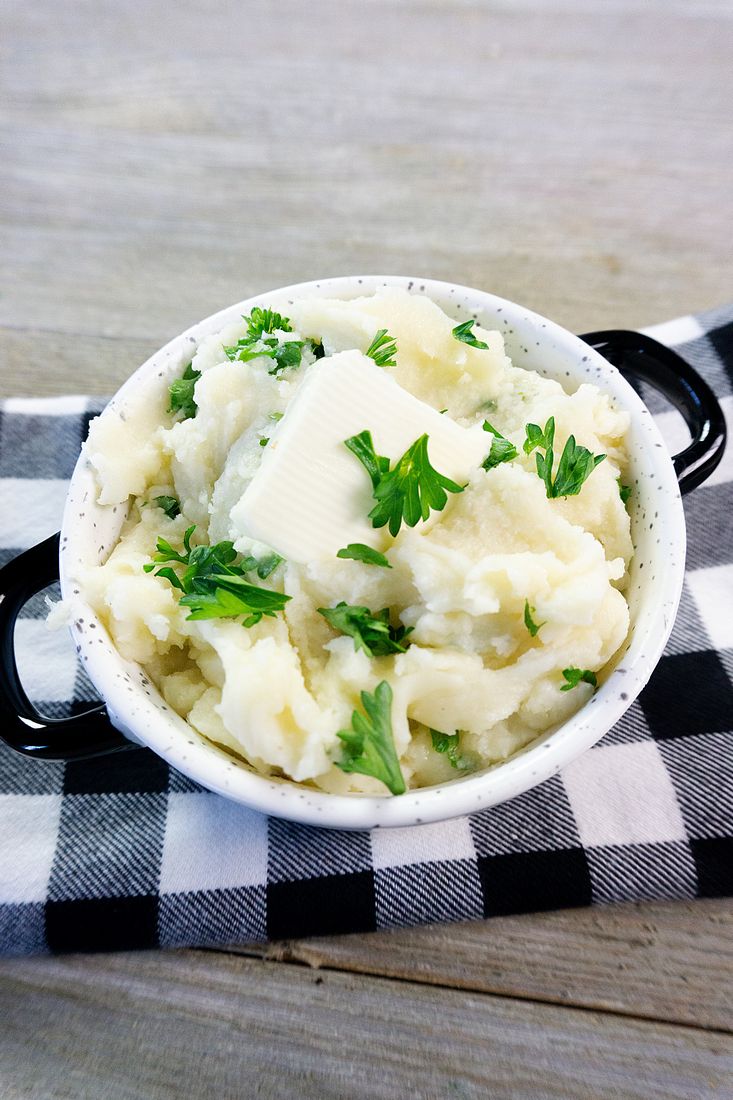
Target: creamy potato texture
{"points": [[277, 693]]}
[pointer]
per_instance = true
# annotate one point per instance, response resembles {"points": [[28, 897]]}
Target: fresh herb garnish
{"points": [[181, 393], [575, 675], [262, 566], [276, 416], [369, 745], [383, 349], [410, 490], [263, 321], [375, 465], [529, 622], [576, 463], [502, 450], [259, 341], [624, 491], [465, 335], [357, 551], [371, 630], [230, 597], [264, 440], [213, 583], [170, 506], [447, 744]]}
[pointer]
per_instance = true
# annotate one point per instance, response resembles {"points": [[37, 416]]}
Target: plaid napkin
{"points": [[123, 852]]}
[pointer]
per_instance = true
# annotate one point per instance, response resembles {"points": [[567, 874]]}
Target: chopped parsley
{"points": [[264, 440], [231, 597], [369, 745], [448, 745], [371, 630], [276, 416], [575, 466], [181, 393], [260, 340], [574, 676], [263, 321], [170, 506], [529, 622], [465, 335], [359, 552], [624, 491], [410, 490], [383, 349], [502, 450], [213, 583], [262, 566]]}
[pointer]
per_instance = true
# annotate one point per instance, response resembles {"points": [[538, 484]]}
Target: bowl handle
{"points": [[21, 726], [641, 358]]}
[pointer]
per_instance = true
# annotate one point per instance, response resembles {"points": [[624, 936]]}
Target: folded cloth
{"points": [[124, 852]]}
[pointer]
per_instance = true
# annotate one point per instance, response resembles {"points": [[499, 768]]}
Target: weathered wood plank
{"points": [[43, 363], [194, 1024], [664, 961], [496, 145]]}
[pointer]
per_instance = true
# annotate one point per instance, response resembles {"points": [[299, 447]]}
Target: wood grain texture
{"points": [[575, 157], [201, 1025], [663, 961]]}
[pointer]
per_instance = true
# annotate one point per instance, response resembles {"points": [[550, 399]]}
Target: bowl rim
{"points": [[143, 722]]}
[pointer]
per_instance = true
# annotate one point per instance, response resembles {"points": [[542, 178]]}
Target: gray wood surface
{"points": [[190, 1024], [158, 162], [669, 961]]}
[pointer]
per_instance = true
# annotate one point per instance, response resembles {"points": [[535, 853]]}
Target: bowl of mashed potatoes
{"points": [[372, 551]]}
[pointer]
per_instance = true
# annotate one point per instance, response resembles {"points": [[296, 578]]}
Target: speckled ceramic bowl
{"points": [[136, 709]]}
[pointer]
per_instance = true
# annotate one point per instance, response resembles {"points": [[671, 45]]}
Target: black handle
{"points": [[641, 357], [21, 726]]}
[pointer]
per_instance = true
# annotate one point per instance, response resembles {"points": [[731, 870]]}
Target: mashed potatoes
{"points": [[502, 590]]}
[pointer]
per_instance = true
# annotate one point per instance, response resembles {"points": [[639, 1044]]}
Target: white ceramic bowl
{"points": [[135, 707]]}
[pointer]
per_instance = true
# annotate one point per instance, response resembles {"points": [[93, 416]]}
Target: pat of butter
{"points": [[311, 496]]}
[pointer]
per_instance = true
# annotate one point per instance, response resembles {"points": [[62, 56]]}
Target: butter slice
{"points": [[311, 496]]}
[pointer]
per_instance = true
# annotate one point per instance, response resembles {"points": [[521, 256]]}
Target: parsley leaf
{"points": [[259, 341], [575, 675], [369, 745], [410, 490], [264, 440], [170, 506], [538, 438], [529, 622], [213, 584], [165, 552], [624, 491], [375, 465], [261, 321], [383, 349], [575, 466], [447, 744], [370, 630], [465, 335], [357, 551], [262, 566], [502, 450], [181, 393], [287, 355], [235, 597]]}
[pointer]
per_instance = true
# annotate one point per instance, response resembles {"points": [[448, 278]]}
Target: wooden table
{"points": [[160, 161]]}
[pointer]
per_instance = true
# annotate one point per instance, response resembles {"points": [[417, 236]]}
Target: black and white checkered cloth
{"points": [[123, 852]]}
